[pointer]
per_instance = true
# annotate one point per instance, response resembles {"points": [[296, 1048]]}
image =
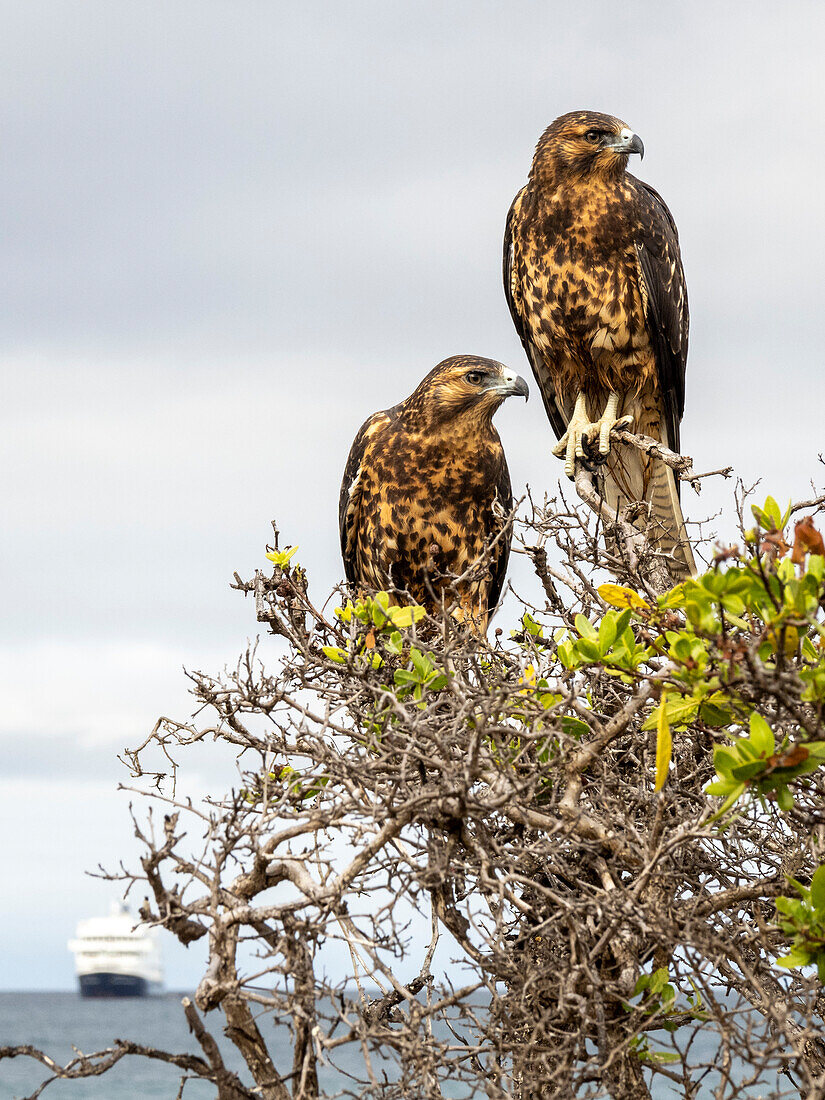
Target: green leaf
{"points": [[574, 727], [725, 760], [585, 627], [771, 510], [749, 770], [530, 626], [622, 623], [662, 1057], [746, 750], [721, 787], [734, 795], [672, 599], [404, 617], [607, 632], [642, 982], [784, 798], [588, 649], [567, 656], [422, 665], [761, 736], [800, 888], [818, 888], [797, 957], [714, 715], [788, 906], [658, 979], [785, 570], [680, 709]]}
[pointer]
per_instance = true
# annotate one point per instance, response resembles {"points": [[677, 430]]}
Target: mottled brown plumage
{"points": [[426, 489], [594, 280]]}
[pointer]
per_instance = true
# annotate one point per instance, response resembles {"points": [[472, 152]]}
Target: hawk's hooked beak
{"points": [[628, 142], [511, 384]]}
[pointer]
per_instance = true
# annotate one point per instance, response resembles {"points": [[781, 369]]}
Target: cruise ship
{"points": [[115, 959]]}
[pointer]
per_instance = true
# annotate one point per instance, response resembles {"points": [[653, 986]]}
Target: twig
{"points": [[650, 446]]}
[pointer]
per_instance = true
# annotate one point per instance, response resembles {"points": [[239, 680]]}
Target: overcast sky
{"points": [[230, 231]]}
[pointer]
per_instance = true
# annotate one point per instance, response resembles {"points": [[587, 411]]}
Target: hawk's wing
{"points": [[512, 290], [349, 499], [501, 551], [665, 300]]}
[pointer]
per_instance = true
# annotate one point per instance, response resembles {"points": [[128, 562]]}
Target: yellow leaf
{"points": [[664, 746], [791, 640], [528, 677], [334, 653], [281, 557], [619, 596]]}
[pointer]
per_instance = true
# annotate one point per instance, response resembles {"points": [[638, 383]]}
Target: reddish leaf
{"points": [[806, 540], [774, 545], [797, 755]]}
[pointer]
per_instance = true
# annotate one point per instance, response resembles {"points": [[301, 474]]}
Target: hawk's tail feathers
{"points": [[632, 476], [667, 522]]}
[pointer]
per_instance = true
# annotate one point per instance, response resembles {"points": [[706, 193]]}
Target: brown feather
{"points": [[594, 280], [426, 489]]}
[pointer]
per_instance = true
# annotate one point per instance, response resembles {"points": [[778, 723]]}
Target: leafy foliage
{"points": [[804, 920], [701, 642], [601, 808]]}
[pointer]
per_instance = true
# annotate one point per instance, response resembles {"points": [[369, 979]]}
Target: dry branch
{"points": [[504, 818]]}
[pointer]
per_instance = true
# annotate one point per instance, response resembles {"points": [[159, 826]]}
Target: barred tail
{"points": [[629, 475]]}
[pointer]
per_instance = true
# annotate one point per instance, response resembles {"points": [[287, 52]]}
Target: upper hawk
{"points": [[426, 491], [593, 277]]}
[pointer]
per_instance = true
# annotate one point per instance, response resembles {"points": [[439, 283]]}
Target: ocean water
{"points": [[55, 1022]]}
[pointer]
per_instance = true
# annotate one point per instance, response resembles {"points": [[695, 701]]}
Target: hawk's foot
{"points": [[571, 445], [581, 430], [606, 424]]}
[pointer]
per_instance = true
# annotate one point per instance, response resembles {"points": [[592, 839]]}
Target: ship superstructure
{"points": [[115, 959]]}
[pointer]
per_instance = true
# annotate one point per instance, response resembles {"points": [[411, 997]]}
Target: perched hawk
{"points": [[594, 280], [426, 488]]}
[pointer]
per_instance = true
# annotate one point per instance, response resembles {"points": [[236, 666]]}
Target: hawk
{"points": [[593, 277], [426, 489]]}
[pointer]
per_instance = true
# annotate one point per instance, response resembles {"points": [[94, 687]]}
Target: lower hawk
{"points": [[426, 492]]}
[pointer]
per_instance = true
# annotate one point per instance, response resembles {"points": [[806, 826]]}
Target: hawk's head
{"points": [[583, 144], [464, 387]]}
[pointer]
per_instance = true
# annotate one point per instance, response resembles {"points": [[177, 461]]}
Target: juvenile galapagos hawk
{"points": [[594, 281], [426, 488]]}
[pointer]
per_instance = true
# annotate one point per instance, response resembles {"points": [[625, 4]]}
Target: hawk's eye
{"points": [[475, 377], [592, 136]]}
